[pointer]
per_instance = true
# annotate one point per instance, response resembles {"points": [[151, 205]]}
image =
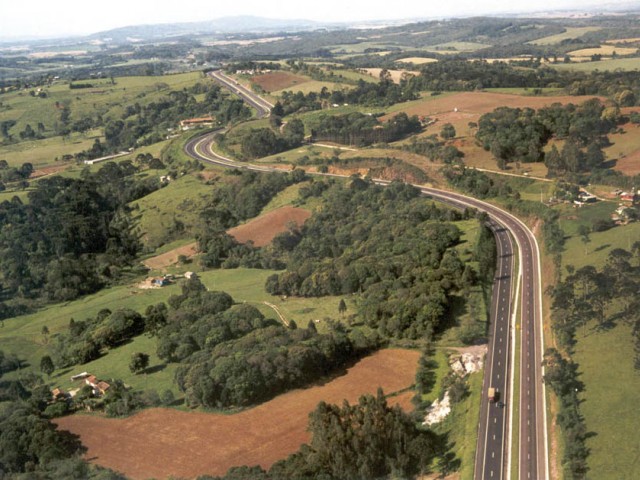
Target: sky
{"points": [[46, 18]]}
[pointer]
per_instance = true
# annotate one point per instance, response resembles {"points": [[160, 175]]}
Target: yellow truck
{"points": [[493, 394]]}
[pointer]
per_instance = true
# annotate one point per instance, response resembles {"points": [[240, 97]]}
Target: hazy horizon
{"points": [[40, 19]]}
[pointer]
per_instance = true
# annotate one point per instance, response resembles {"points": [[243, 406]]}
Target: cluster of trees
{"points": [[461, 74], [146, 124], [387, 244], [30, 444], [477, 183], [371, 94], [73, 236], [366, 440], [435, 149], [14, 174], [519, 135], [360, 130], [602, 296], [87, 339], [231, 356], [240, 198], [561, 375], [262, 142]]}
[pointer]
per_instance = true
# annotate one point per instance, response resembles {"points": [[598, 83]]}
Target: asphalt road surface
{"points": [[494, 439]]}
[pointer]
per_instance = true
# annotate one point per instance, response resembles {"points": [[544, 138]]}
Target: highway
{"points": [[493, 454], [261, 106]]}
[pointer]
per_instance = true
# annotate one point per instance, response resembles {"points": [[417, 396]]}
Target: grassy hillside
{"points": [[104, 98]]}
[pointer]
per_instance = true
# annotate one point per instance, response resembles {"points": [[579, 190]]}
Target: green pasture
{"points": [[180, 201], [44, 152], [104, 98], [569, 34], [609, 407]]}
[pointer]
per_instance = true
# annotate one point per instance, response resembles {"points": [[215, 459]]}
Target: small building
{"points": [[79, 376], [190, 275], [91, 380], [629, 197], [195, 122], [102, 387], [586, 197], [59, 394]]}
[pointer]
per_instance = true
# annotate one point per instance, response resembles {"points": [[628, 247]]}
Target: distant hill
{"points": [[237, 24]]}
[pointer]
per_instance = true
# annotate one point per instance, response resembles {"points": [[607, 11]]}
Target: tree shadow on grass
{"points": [[154, 369]]}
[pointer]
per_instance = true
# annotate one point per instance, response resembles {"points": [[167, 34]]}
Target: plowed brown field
{"points": [[261, 230], [471, 105], [162, 442], [170, 258], [274, 81]]}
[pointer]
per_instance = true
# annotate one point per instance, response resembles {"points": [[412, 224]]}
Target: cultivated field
{"points": [[455, 47], [274, 81], [261, 230], [169, 258], [626, 64], [604, 50], [161, 443], [417, 60]]}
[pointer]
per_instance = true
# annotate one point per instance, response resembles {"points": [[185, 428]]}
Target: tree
{"points": [[584, 232], [342, 307], [45, 333], [46, 365], [139, 361], [448, 131]]}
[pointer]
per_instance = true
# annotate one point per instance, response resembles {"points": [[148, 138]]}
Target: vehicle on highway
{"points": [[493, 394]]}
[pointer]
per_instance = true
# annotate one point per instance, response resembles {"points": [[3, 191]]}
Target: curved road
{"points": [[494, 438]]}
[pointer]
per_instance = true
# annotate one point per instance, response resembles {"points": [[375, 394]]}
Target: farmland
{"points": [[170, 443], [261, 230], [570, 33], [273, 81]]}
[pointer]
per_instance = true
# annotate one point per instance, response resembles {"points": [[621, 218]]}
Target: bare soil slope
{"points": [[163, 442], [274, 81], [261, 230]]}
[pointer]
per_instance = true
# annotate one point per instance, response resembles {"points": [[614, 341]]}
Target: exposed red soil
{"points": [[163, 442], [263, 229], [44, 171], [274, 81], [171, 257]]}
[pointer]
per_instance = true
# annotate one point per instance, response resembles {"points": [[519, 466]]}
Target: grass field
{"points": [[609, 407], [180, 201], [105, 99], [44, 152], [605, 358], [569, 34]]}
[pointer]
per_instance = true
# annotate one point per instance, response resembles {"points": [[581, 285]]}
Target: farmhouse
{"points": [[58, 394], [195, 122], [99, 387]]}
